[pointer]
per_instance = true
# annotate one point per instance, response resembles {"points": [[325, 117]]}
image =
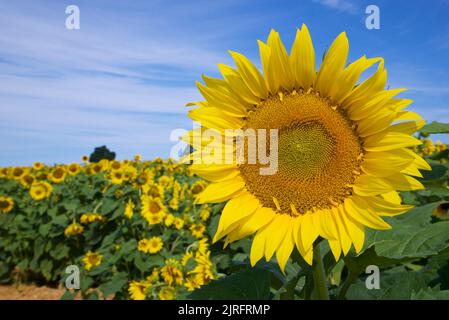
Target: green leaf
{"points": [[145, 264], [67, 295], [117, 282], [248, 284], [44, 229], [395, 285], [430, 294], [60, 251], [411, 236], [435, 127], [46, 267], [438, 172]]}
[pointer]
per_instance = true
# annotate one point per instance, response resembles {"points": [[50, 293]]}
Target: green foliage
{"points": [[101, 153], [435, 127], [247, 284]]}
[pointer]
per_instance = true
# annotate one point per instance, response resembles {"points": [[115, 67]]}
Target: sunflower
{"points": [[117, 177], [197, 230], [152, 245], [152, 209], [40, 190], [6, 204], [18, 172], [85, 158], [155, 245], [138, 290], [153, 190], [115, 165], [343, 149], [73, 169], [27, 180], [91, 217], [73, 229], [58, 174], [37, 166], [167, 293], [129, 209], [92, 259], [179, 223], [171, 273]]}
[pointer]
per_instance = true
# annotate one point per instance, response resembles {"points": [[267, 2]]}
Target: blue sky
{"points": [[123, 78]]}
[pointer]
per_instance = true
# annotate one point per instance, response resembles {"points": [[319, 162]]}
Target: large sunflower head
{"points": [[342, 148]]}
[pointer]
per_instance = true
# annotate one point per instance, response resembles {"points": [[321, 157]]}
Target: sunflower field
{"points": [[130, 226]]}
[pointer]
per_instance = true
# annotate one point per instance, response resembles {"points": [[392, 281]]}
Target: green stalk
{"points": [[320, 290]]}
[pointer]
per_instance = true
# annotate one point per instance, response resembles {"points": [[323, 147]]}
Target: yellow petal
{"points": [[237, 84], [285, 249], [419, 161], [404, 182], [360, 211], [268, 68], [214, 118], [277, 230], [216, 172], [355, 230], [345, 240], [335, 248], [367, 89], [258, 246], [349, 78], [384, 207], [250, 75], [308, 231], [280, 61], [235, 210], [303, 59], [221, 191], [221, 98], [323, 222], [252, 223], [384, 141], [372, 107], [382, 164], [392, 197], [333, 65], [367, 185]]}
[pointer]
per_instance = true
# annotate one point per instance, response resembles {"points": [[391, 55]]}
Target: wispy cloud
{"points": [[348, 6], [122, 79]]}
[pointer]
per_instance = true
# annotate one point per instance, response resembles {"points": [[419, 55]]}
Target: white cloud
{"points": [[341, 5]]}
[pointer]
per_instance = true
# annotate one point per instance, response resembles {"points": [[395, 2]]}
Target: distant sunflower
{"points": [[58, 174], [37, 165], [6, 204], [73, 169], [92, 259], [343, 149], [138, 290], [40, 190]]}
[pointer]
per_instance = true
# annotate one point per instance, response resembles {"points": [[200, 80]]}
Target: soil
{"points": [[29, 292]]}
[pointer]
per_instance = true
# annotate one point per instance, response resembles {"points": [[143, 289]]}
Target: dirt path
{"points": [[29, 292]]}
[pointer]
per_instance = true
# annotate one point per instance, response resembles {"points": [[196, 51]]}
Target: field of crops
{"points": [[130, 226], [134, 231]]}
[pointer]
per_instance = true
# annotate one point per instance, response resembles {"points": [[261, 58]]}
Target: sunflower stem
{"points": [[320, 290]]}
